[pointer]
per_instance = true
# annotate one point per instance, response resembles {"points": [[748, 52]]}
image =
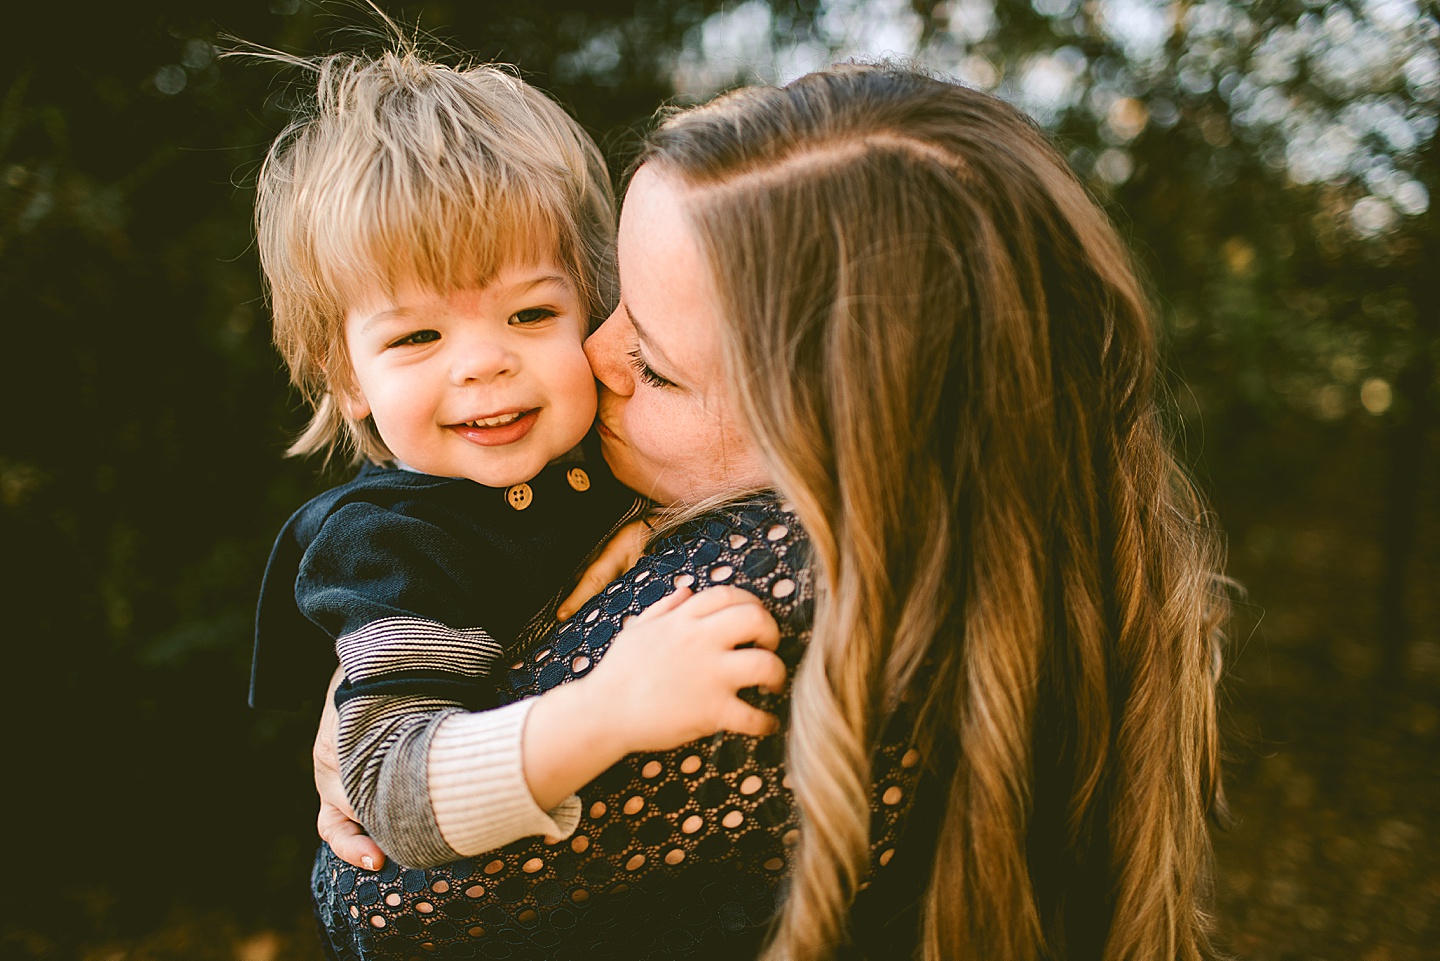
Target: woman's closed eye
{"points": [[415, 338], [646, 372]]}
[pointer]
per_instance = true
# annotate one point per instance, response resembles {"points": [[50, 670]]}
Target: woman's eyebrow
{"points": [[646, 338]]}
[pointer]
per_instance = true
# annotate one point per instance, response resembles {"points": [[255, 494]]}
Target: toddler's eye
{"points": [[532, 315], [418, 337]]}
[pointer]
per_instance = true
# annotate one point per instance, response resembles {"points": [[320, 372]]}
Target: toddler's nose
{"points": [[479, 361]]}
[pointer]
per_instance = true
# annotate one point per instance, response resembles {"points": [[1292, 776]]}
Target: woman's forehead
{"points": [[666, 284]]}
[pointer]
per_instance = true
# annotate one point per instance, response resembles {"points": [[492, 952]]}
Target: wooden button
{"points": [[578, 479], [519, 496]]}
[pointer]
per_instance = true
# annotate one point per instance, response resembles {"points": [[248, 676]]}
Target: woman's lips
{"points": [[604, 431], [499, 435]]}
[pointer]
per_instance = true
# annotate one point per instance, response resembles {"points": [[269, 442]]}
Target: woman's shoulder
{"points": [[756, 544]]}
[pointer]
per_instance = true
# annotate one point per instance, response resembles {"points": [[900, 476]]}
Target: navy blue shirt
{"points": [[395, 543]]}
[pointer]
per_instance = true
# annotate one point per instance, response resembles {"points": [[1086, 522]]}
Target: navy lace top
{"points": [[682, 853]]}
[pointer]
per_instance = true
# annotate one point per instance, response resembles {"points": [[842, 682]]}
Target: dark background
{"points": [[153, 816]]}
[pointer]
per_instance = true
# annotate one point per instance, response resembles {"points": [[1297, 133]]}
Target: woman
{"points": [[891, 294]]}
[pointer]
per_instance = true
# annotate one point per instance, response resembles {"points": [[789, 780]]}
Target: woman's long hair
{"points": [[943, 353]]}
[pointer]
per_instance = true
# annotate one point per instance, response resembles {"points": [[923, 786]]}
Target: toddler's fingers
{"points": [[347, 839], [667, 603], [742, 623], [741, 718], [711, 599], [754, 667]]}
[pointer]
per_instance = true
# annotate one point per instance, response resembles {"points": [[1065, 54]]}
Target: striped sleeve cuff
{"points": [[477, 783]]}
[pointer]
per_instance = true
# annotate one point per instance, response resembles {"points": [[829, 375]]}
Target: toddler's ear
{"points": [[353, 404]]}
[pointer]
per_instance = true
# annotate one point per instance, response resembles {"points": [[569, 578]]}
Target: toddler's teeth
{"points": [[500, 421]]}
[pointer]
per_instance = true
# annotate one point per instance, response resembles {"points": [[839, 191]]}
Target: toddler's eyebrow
{"points": [[557, 279], [390, 313]]}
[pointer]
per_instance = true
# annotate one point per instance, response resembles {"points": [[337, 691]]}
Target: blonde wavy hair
{"points": [[402, 169], [941, 348]]}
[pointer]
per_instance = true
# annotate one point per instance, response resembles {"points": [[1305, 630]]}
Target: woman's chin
{"points": [[614, 452]]}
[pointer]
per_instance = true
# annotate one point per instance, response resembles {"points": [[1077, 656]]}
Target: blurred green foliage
{"points": [[1272, 161]]}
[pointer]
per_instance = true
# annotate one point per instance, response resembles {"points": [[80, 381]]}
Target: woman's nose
{"points": [[605, 349]]}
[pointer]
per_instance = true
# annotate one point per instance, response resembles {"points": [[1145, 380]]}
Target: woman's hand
{"points": [[336, 822], [671, 675], [617, 556]]}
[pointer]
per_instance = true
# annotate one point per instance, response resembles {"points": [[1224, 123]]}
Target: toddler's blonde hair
{"points": [[404, 170]]}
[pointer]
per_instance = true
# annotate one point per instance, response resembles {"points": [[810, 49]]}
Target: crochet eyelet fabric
{"points": [[679, 854]]}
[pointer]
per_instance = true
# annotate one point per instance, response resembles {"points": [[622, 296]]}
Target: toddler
{"points": [[436, 243]]}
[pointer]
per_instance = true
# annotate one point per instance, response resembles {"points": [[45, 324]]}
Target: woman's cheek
{"points": [[668, 442]]}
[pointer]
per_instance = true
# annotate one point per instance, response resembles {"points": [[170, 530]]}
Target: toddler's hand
{"points": [[617, 556], [672, 673]]}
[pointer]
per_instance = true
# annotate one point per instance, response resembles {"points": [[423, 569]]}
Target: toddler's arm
{"points": [[671, 676], [399, 595]]}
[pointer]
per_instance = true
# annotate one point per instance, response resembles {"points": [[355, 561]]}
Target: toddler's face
{"points": [[489, 384]]}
